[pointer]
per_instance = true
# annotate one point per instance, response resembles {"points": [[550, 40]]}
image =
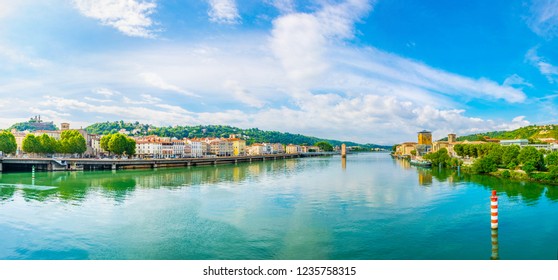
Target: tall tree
{"points": [[8, 143], [131, 147], [48, 144], [31, 144], [72, 142], [118, 144]]}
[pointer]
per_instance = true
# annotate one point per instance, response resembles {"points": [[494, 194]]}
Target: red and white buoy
{"points": [[494, 210]]}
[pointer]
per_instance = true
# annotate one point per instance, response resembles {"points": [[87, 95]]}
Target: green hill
{"points": [[532, 132], [252, 135]]}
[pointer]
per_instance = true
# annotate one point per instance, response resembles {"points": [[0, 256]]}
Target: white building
{"points": [[196, 148]]}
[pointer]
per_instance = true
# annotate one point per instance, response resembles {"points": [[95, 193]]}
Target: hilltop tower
{"points": [[64, 126], [425, 138], [452, 138]]}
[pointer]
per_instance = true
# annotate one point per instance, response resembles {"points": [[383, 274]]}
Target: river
{"points": [[370, 207]]}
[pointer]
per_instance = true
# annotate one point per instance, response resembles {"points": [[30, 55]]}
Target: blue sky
{"points": [[366, 71]]}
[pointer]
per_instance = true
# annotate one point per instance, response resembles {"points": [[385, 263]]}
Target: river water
{"points": [[369, 207]]}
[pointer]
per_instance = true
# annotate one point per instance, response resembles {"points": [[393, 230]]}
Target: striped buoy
{"points": [[494, 210], [494, 239]]}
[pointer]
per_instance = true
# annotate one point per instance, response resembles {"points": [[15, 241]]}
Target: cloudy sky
{"points": [[366, 71]]}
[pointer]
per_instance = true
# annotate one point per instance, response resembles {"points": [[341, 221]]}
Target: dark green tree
{"points": [[440, 157], [551, 159], [31, 144], [8, 143], [72, 142], [484, 165], [510, 154], [130, 147], [324, 146], [118, 144], [48, 144], [105, 142], [532, 156]]}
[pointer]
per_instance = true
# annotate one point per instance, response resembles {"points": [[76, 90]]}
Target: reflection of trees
{"points": [[443, 174], [528, 191], [552, 193], [75, 186], [6, 193]]}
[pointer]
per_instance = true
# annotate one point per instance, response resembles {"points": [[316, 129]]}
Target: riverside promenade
{"points": [[73, 164]]}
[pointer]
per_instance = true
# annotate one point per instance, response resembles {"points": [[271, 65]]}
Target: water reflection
{"points": [[424, 176], [344, 163], [118, 185], [494, 240], [528, 192]]}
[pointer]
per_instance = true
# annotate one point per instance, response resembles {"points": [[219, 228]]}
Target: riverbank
{"points": [[78, 164]]}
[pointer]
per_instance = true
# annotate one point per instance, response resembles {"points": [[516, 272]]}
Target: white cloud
{"points": [[11, 56], [516, 80], [543, 19], [158, 82], [131, 17], [284, 6], [8, 7], [106, 92], [300, 40], [242, 94], [223, 11], [548, 70], [142, 99]]}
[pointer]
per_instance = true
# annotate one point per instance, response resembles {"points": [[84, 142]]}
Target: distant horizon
{"points": [[374, 71]]}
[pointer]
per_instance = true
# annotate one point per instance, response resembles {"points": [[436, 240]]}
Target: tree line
{"points": [[538, 164]]}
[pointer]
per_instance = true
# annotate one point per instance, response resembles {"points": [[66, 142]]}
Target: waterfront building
{"points": [[293, 149], [256, 149], [277, 148], [214, 145], [19, 136], [436, 146], [149, 146], [239, 145], [196, 147], [96, 144], [424, 145], [225, 148], [187, 149], [178, 148], [425, 138], [405, 148]]}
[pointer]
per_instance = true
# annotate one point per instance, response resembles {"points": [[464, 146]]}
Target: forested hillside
{"points": [[532, 133], [252, 135]]}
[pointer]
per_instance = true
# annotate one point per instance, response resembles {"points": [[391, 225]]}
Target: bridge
{"points": [[69, 164]]}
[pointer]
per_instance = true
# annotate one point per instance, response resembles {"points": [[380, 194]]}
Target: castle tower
{"points": [[425, 138], [64, 126], [452, 138]]}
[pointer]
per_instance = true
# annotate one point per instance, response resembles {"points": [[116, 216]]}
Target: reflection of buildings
{"points": [[424, 142], [344, 163], [424, 177]]}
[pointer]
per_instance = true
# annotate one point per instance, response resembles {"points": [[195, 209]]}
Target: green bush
{"points": [[506, 174], [484, 165]]}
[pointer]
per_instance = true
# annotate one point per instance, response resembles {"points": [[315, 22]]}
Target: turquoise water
{"points": [[371, 207]]}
